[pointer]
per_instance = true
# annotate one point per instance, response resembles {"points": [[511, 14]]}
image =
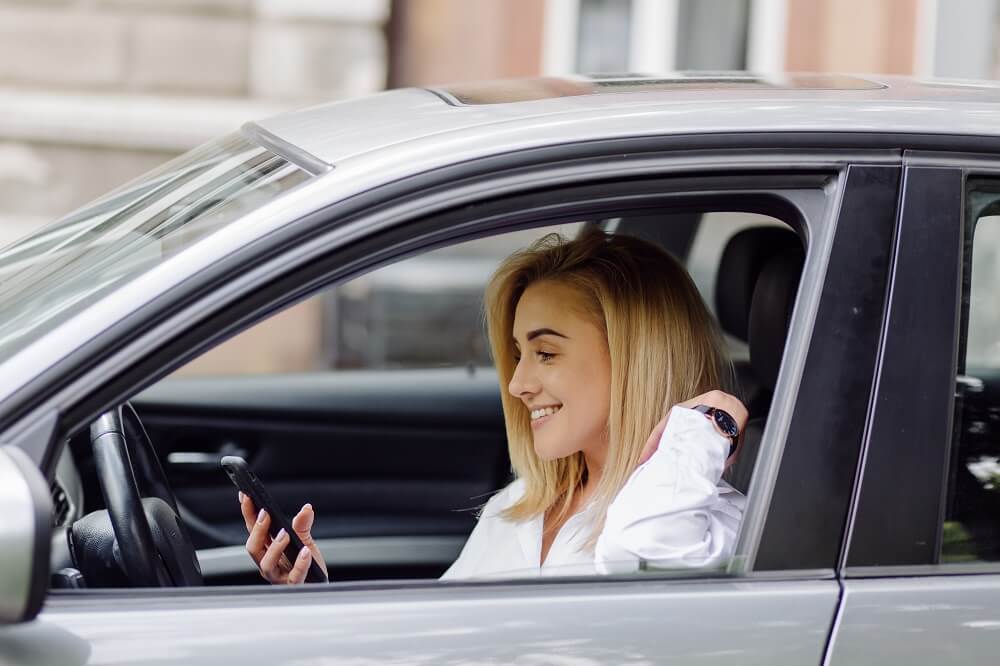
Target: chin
{"points": [[547, 453]]}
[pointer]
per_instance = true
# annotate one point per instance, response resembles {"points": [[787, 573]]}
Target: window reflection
{"points": [[971, 530]]}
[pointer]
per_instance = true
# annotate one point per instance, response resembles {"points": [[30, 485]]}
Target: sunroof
{"points": [[525, 90]]}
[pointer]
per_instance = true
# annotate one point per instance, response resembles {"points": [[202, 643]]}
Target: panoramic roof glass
{"points": [[524, 90]]}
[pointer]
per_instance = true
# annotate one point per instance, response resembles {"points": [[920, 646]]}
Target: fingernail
{"points": [[261, 515], [281, 535], [241, 496], [304, 553], [307, 506]]}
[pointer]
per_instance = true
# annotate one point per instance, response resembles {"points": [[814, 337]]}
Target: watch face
{"points": [[726, 423]]}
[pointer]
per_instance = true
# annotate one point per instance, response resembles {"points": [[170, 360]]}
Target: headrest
{"points": [[771, 312], [742, 261]]}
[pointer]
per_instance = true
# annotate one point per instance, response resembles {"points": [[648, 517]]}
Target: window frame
{"points": [[826, 433], [775, 174]]}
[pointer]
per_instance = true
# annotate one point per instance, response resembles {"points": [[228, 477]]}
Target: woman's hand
{"points": [[719, 400], [269, 554]]}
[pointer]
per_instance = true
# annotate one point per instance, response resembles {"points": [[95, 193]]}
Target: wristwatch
{"points": [[725, 422]]}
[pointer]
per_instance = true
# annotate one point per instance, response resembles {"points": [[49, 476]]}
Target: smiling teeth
{"points": [[545, 411]]}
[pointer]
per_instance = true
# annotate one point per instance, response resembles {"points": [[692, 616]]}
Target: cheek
{"points": [[598, 387], [588, 397]]}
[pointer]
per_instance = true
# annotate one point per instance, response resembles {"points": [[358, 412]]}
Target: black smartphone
{"points": [[247, 481]]}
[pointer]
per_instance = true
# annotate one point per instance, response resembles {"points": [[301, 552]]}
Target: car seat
{"points": [[755, 293]]}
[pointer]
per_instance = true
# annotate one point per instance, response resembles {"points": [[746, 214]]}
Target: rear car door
{"points": [[922, 570]]}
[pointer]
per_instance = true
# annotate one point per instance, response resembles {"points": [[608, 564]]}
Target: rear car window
{"points": [[971, 527]]}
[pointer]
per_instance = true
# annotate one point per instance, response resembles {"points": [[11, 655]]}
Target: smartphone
{"points": [[247, 481]]}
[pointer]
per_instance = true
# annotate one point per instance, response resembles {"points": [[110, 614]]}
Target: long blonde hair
{"points": [[664, 347]]}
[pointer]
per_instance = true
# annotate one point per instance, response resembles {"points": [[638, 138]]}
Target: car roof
{"points": [[544, 111]]}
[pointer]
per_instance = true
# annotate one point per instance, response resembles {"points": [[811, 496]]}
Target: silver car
{"points": [[844, 231]]}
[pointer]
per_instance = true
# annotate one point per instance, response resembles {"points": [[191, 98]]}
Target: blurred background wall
{"points": [[95, 92]]}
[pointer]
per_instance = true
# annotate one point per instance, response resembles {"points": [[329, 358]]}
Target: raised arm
{"points": [[672, 512]]}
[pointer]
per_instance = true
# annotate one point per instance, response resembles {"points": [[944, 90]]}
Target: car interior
{"points": [[395, 460]]}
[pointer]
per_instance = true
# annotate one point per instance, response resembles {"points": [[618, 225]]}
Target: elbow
{"points": [[696, 543]]}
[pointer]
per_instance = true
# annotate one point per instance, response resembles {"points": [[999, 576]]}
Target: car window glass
{"points": [[971, 529], [53, 274]]}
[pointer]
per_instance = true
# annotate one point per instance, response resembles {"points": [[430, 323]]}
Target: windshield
{"points": [[53, 274]]}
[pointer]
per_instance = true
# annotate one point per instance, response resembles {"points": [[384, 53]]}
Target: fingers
{"points": [[302, 524], [259, 538], [301, 567], [268, 554], [248, 510], [270, 563]]}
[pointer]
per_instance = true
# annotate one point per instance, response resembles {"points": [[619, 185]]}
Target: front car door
{"points": [[777, 600]]}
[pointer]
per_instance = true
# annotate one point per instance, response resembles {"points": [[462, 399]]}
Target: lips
{"points": [[541, 416]]}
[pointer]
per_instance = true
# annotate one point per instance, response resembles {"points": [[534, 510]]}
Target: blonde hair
{"points": [[663, 344]]}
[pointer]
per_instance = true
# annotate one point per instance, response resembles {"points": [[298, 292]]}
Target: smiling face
{"points": [[563, 373]]}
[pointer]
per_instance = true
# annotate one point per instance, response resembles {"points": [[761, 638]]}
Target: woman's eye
{"points": [[545, 356]]}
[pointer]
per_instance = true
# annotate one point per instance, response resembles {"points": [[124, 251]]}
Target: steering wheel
{"points": [[152, 542]]}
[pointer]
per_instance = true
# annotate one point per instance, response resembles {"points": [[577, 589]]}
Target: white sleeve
{"points": [[669, 512]]}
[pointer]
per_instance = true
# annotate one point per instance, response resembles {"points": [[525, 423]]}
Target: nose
{"points": [[523, 382]]}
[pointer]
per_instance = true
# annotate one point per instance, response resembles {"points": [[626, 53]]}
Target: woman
{"points": [[594, 340]]}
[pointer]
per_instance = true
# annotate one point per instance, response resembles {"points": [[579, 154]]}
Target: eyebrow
{"points": [[543, 331]]}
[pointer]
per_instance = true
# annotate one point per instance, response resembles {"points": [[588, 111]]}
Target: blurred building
{"points": [[95, 92]]}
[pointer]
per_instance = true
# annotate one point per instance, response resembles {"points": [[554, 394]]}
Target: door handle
{"points": [[192, 459], [203, 460]]}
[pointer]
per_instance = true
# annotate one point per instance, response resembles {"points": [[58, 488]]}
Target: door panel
{"points": [[939, 620], [383, 456], [610, 622]]}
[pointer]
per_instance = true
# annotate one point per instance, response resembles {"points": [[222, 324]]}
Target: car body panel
{"points": [[918, 620], [640, 622], [419, 127]]}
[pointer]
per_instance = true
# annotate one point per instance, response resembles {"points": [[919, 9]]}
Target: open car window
{"points": [[375, 401]]}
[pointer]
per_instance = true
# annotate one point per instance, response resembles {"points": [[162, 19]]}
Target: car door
{"points": [[776, 602], [922, 571]]}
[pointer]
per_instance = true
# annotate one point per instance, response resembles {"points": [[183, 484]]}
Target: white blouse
{"points": [[674, 511]]}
